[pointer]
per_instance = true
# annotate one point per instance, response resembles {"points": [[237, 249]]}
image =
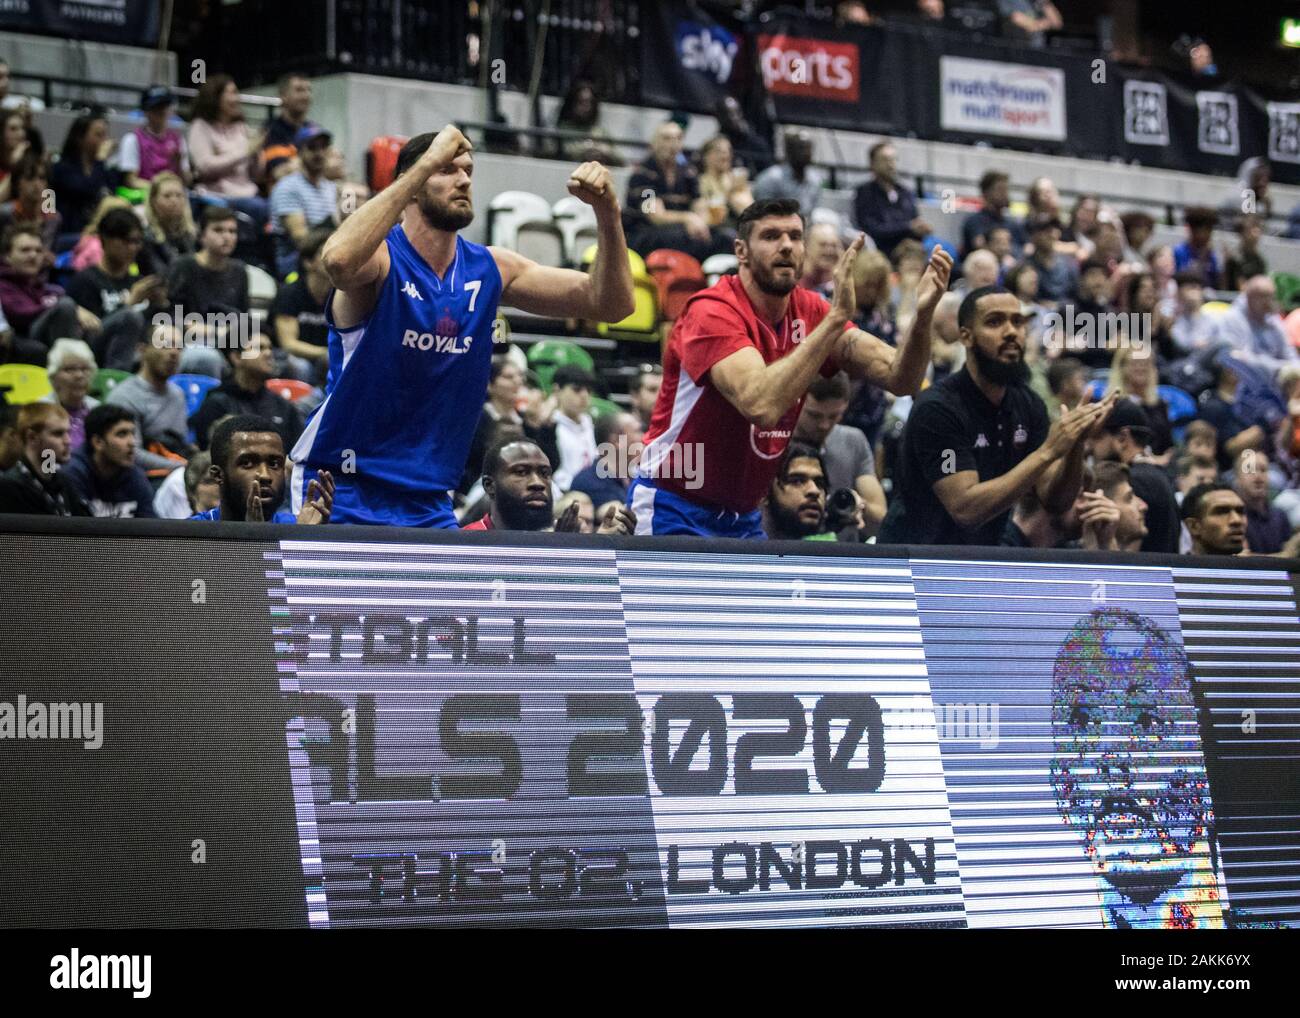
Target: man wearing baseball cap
{"points": [[302, 200], [153, 147], [1124, 438]]}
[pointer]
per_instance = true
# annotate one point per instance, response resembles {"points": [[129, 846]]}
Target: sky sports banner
{"points": [[128, 22], [479, 734], [900, 80]]}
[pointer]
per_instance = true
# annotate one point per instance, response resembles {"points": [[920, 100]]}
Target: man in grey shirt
{"points": [[846, 453], [158, 404], [1029, 20], [795, 178]]}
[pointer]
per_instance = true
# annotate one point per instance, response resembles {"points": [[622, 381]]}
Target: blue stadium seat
{"points": [[195, 388]]}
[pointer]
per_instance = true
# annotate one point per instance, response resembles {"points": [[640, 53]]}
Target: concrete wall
{"points": [[129, 67]]}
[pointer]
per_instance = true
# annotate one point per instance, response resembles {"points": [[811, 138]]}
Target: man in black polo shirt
{"points": [[1124, 438], [977, 441]]}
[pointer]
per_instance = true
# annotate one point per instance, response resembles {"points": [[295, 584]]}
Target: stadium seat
{"points": [[643, 322], [1288, 289], [719, 265], [290, 388], [521, 221], [195, 388], [105, 378], [576, 221], [261, 287], [548, 355], [1181, 405], [23, 383], [602, 407], [677, 276], [381, 160]]}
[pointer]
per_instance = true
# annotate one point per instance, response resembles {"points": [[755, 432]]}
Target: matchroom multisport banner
{"points": [[482, 734]]}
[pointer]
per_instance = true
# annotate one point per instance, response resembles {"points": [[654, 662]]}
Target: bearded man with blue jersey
{"points": [[411, 326]]}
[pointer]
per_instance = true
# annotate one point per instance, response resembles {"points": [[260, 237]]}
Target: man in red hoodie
{"points": [[38, 311]]}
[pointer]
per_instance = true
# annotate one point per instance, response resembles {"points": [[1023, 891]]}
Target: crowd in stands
{"points": [[1186, 347]]}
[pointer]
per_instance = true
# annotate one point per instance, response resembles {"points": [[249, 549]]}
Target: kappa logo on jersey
{"points": [[410, 290], [1021, 436], [981, 442], [444, 340]]}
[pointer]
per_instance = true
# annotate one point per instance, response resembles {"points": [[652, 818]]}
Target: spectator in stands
{"points": [[169, 225], [1067, 379], [871, 292], [1163, 269], [81, 177], [930, 10], [298, 313], [1092, 301], [1108, 243], [1201, 442], [103, 472], [618, 447], [35, 485], [245, 392], [724, 187], [1249, 194], [221, 151], [153, 147], [280, 140], [38, 311], [1077, 239], [575, 434], [645, 391], [1114, 480], [883, 206], [1196, 253], [13, 146], [796, 178], [1029, 21], [1216, 518], [994, 190], [751, 150], [1219, 406], [1043, 199], [1000, 246], [28, 204], [248, 462], [1025, 282], [1192, 329], [853, 12], [580, 113], [303, 200], [1267, 527], [12, 100], [1090, 523], [959, 474], [1246, 262], [846, 455], [1200, 58], [663, 206], [188, 490], [1141, 298], [1124, 438], [1253, 327], [979, 271], [71, 367], [1133, 376], [1137, 227], [212, 281], [11, 444], [794, 508], [1190, 471], [517, 482], [89, 248], [1058, 275], [156, 401], [825, 249]]}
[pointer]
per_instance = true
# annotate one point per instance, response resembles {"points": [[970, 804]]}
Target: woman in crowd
{"points": [[505, 381], [13, 146], [81, 177], [1133, 374], [724, 187], [169, 224], [1082, 229], [71, 368], [580, 112], [27, 205], [88, 250], [1143, 299], [1163, 270], [221, 150]]}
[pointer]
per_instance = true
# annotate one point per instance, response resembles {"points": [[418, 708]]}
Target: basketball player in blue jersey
{"points": [[411, 326]]}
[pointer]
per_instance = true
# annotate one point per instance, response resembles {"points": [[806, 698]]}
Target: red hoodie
{"points": [[24, 298]]}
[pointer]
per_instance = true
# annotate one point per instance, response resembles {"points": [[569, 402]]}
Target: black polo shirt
{"points": [[954, 415], [678, 196]]}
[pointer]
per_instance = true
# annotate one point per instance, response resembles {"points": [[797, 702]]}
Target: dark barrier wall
{"points": [[949, 86], [350, 727]]}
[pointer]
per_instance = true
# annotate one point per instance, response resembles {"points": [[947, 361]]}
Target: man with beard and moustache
{"points": [[794, 508], [517, 482], [977, 441], [248, 462], [737, 367], [1216, 518], [411, 327]]}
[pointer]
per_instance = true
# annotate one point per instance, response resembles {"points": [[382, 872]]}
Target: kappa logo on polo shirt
{"points": [[981, 442], [1021, 436]]}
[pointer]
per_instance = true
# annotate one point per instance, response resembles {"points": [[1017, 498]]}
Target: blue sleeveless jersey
{"points": [[405, 389]]}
